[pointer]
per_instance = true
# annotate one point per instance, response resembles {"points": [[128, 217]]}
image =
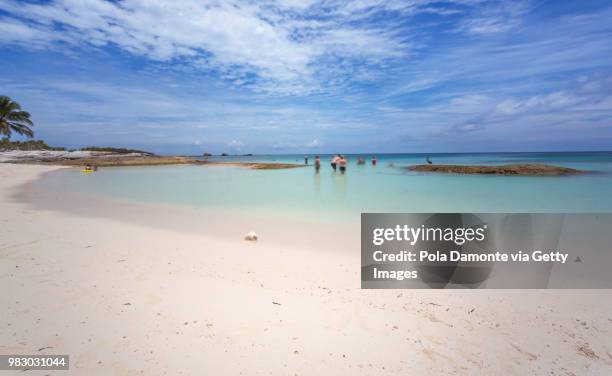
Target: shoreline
{"points": [[217, 223], [110, 159], [124, 298]]}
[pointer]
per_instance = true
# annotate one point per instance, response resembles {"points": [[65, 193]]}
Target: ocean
{"points": [[328, 196]]}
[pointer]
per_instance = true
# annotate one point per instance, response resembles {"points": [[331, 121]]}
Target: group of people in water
{"points": [[338, 162]]}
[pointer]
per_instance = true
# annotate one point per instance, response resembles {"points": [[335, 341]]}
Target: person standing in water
{"points": [[305, 159], [373, 160], [317, 163], [342, 164], [334, 161]]}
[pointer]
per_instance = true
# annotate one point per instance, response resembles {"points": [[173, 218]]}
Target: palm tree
{"points": [[13, 119]]}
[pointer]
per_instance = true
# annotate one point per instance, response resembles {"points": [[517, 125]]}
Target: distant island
{"points": [[511, 169]]}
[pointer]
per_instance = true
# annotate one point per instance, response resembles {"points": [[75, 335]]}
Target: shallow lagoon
{"points": [[329, 196]]}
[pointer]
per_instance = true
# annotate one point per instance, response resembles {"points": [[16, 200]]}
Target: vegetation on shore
{"points": [[511, 169], [6, 144], [116, 150], [33, 145], [110, 161], [14, 119]]}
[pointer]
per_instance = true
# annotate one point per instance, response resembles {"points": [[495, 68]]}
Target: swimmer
{"points": [[373, 160], [342, 164], [317, 163], [334, 161]]}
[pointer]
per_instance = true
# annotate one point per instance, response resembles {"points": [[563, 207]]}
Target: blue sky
{"points": [[308, 76]]}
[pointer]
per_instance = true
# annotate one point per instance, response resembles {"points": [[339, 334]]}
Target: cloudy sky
{"points": [[297, 76]]}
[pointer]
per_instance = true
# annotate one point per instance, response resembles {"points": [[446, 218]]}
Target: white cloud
{"points": [[283, 146], [466, 128], [275, 43], [495, 17], [590, 93], [235, 145], [564, 100], [314, 144], [280, 46]]}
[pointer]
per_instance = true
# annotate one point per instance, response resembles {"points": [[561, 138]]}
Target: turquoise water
{"points": [[330, 196]]}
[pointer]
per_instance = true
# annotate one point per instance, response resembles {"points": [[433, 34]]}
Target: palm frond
{"points": [[13, 119], [21, 129], [20, 116]]}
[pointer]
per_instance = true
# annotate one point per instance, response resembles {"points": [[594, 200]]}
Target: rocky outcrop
{"points": [[87, 157], [253, 165], [511, 169], [109, 159]]}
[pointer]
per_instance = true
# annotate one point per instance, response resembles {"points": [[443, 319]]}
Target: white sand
{"points": [[125, 298]]}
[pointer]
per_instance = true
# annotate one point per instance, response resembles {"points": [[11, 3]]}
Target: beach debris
{"points": [[471, 310], [276, 303], [585, 350], [128, 303], [45, 348], [578, 259], [251, 236], [529, 355]]}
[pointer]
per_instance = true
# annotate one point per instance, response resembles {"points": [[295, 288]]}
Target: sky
{"points": [[312, 76]]}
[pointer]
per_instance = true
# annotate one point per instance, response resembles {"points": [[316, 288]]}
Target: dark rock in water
{"points": [[511, 169], [252, 165]]}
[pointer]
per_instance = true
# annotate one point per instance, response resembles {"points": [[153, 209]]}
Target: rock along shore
{"points": [[511, 169], [110, 159]]}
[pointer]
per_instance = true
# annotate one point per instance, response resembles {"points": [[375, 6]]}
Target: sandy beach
{"points": [[125, 293]]}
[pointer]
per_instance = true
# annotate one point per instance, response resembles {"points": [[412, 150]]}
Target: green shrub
{"points": [[115, 150], [5, 145]]}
